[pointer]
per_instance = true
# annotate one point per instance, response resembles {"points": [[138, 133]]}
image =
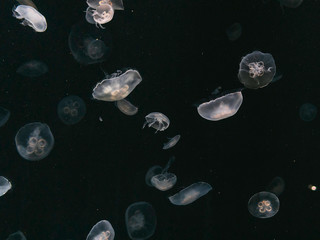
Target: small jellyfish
{"points": [[116, 86], [5, 185], [172, 142], [165, 180], [256, 70], [222, 107], [234, 31], [116, 4], [291, 3], [33, 68], [103, 230], [154, 170], [31, 17], [308, 112], [157, 120], [190, 194], [4, 116], [141, 220], [71, 109], [34, 141], [101, 15], [263, 205], [126, 107], [276, 186], [17, 236]]}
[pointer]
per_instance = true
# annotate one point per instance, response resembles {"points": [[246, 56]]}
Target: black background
{"points": [[96, 169]]}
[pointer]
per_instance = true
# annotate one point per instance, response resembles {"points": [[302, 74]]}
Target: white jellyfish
{"points": [[165, 180], [5, 185], [157, 120], [103, 230], [126, 107], [172, 142]]}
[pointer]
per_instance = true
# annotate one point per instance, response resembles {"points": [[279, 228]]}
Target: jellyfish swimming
{"points": [[190, 194], [126, 107], [165, 180], [291, 3], [103, 230], [4, 116], [263, 205], [117, 86], [276, 186], [256, 70], [31, 16], [157, 120], [172, 142], [141, 220], [154, 170], [33, 68], [17, 236], [5, 185], [234, 31], [34, 141], [308, 112], [71, 109]]}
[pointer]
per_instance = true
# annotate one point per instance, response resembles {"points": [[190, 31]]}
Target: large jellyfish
{"points": [[263, 205], [103, 230], [33, 68], [165, 180], [157, 120]]}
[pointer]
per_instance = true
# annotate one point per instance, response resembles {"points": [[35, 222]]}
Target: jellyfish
{"points": [[4, 116], [276, 186], [308, 112], [34, 141], [154, 170], [157, 120], [71, 109], [116, 86], [190, 194], [28, 3], [172, 142], [17, 236], [263, 205], [126, 107], [256, 70], [116, 4], [222, 107], [31, 17], [5, 185], [291, 3], [33, 68], [103, 230], [141, 220], [165, 180], [234, 31]]}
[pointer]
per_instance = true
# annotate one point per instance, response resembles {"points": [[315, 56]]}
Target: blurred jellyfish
{"points": [[165, 180], [141, 220], [256, 70], [263, 205], [126, 107], [33, 68], [154, 170], [71, 109], [172, 142], [116, 86], [276, 186], [234, 31], [308, 112], [31, 17], [4, 116], [157, 120], [89, 45], [103, 230], [34, 141], [17, 236], [291, 3], [5, 185]]}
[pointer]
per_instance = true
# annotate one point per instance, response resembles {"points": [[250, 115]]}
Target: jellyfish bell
{"points": [[102, 230], [102, 14], [157, 120], [165, 180], [263, 205]]}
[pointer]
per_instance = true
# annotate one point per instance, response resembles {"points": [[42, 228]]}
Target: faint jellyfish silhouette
{"points": [[256, 70], [4, 116], [165, 180], [103, 230], [116, 86], [190, 194], [172, 142], [31, 17], [33, 68], [234, 31], [154, 170], [141, 220], [126, 107], [263, 205], [157, 120], [17, 236], [5, 185], [71, 109], [276, 186], [291, 3], [308, 112], [34, 141]]}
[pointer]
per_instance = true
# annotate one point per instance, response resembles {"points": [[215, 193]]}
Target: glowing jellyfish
{"points": [[222, 107], [256, 70], [4, 116], [172, 142], [33, 68], [263, 205], [190, 194], [154, 170], [31, 17], [234, 31], [71, 109], [141, 220], [291, 3], [308, 112], [34, 141], [165, 180], [103, 230], [126, 107], [276, 186], [157, 120], [116, 86], [17, 236], [5, 185]]}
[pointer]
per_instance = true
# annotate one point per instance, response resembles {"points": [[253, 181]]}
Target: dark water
{"points": [[96, 169]]}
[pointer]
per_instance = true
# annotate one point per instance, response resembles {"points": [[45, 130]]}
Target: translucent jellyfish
{"points": [[256, 70], [291, 3], [234, 31], [172, 142], [31, 17], [154, 170], [34, 141], [116, 4], [141, 220], [308, 112], [117, 86], [5, 185], [4, 116], [89, 45], [157, 120], [263, 205], [17, 236], [191, 193], [71, 109], [33, 68], [28, 3], [222, 107], [276, 186], [165, 180], [103, 230], [126, 107]]}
